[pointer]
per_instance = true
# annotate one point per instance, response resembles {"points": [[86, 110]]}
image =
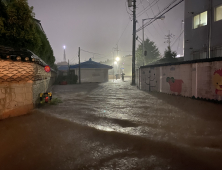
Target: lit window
{"points": [[200, 20], [218, 13], [196, 21]]}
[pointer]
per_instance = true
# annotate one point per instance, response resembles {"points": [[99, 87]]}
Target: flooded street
{"points": [[114, 125]]}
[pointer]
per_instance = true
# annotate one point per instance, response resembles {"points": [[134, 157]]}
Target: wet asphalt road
{"points": [[114, 126]]}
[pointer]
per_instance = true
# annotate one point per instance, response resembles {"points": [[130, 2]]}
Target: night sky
{"points": [[98, 25]]}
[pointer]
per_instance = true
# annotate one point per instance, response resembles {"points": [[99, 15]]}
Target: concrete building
{"points": [[91, 71], [203, 25]]}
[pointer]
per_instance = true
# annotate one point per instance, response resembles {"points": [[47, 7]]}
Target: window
{"points": [[217, 51], [199, 55], [196, 21], [200, 20], [218, 13]]}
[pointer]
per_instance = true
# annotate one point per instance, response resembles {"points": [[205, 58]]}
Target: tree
{"points": [[170, 55], [152, 53], [19, 29]]}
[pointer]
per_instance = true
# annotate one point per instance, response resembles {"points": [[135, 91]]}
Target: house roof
{"points": [[63, 67], [90, 64]]}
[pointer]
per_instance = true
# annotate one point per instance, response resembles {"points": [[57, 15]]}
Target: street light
{"points": [[161, 17], [117, 59], [64, 57], [115, 62]]}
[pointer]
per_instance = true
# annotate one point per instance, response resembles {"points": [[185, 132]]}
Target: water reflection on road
{"points": [[162, 122]]}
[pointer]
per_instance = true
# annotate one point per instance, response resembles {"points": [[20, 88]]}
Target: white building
{"points": [[91, 71]]}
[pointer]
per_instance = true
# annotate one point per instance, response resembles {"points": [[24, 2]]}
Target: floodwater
{"points": [[114, 125]]}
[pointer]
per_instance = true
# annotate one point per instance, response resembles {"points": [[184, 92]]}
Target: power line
{"points": [[155, 18], [105, 56], [123, 32], [163, 10], [168, 8], [91, 52], [147, 8], [160, 12], [148, 17], [147, 30], [154, 15], [178, 37]]}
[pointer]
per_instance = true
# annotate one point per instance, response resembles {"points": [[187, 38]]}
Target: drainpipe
{"points": [[210, 29]]}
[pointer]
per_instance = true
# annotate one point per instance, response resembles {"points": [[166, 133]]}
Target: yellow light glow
{"points": [[117, 58]]}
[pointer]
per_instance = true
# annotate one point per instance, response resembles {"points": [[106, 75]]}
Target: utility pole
{"points": [[113, 66], [79, 67], [68, 65], [117, 52], [210, 28], [183, 35], [134, 43], [68, 75], [168, 38]]}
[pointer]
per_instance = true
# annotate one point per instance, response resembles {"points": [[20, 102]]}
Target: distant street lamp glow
{"points": [[64, 47], [115, 62], [117, 58]]}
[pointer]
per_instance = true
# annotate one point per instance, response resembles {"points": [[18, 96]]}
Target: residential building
{"points": [[91, 71], [203, 25]]}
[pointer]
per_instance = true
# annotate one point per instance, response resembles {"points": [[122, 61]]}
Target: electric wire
{"points": [[154, 15], [177, 38], [168, 8], [148, 23], [147, 8], [148, 17], [104, 56], [123, 32], [160, 12]]}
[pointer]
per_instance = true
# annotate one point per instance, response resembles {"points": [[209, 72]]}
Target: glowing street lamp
{"points": [[117, 59], [115, 62], [64, 57]]}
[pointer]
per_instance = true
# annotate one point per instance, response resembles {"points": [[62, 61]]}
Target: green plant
{"points": [[152, 53], [169, 55], [55, 101], [19, 29]]}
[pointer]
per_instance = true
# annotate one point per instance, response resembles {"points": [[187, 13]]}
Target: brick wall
{"points": [[203, 79], [20, 85]]}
